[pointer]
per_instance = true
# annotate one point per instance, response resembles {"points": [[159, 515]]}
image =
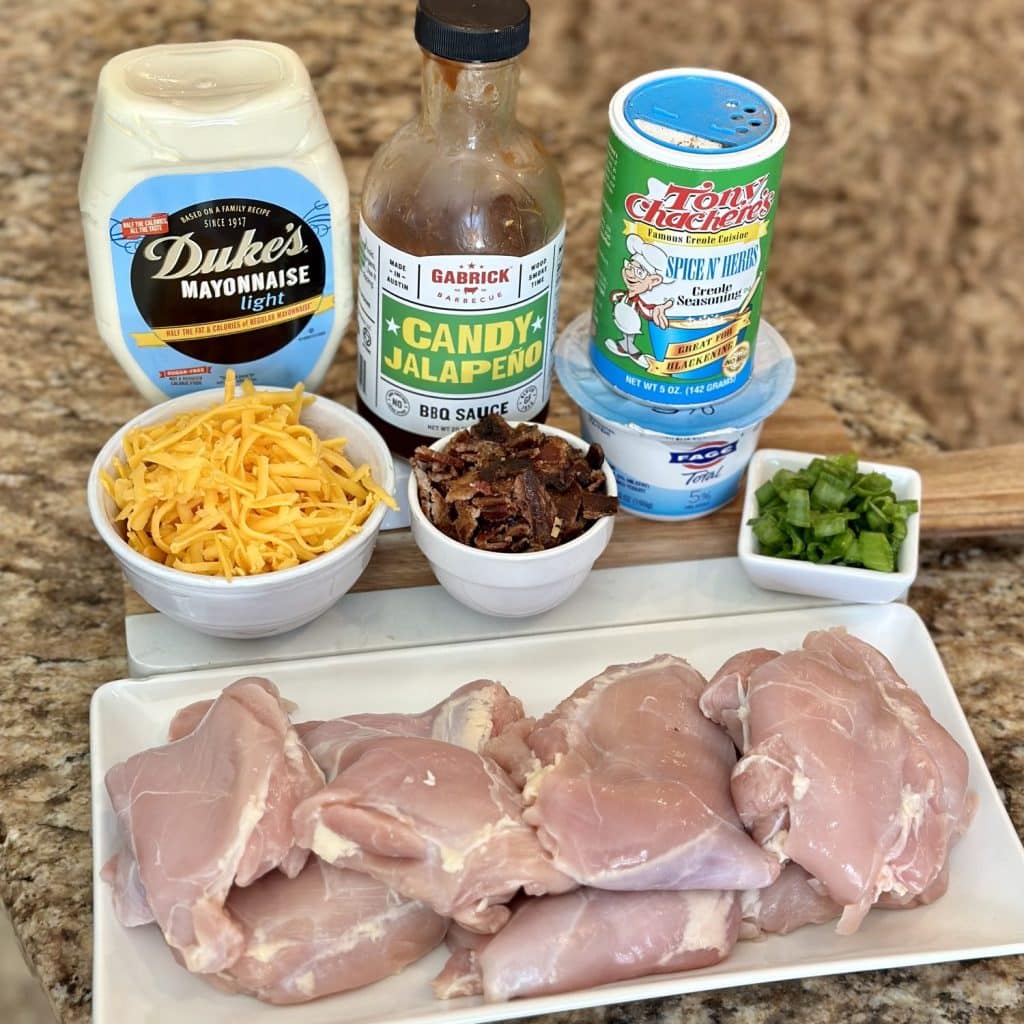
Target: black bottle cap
{"points": [[470, 31]]}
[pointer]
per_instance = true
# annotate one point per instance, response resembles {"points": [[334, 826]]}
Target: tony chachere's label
{"points": [[445, 340], [681, 268], [685, 236], [227, 269]]}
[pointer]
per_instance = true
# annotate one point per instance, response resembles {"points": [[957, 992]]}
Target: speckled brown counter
{"points": [[61, 602]]}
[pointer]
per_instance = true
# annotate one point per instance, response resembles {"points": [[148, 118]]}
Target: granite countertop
{"points": [[61, 602]]}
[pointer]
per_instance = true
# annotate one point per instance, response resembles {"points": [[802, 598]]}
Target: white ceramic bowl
{"points": [[511, 585], [248, 606], [840, 582]]}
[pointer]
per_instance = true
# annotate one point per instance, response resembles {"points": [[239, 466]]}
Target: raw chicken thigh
{"points": [[593, 937], [844, 770], [460, 975], [131, 906], [628, 785], [434, 821], [413, 803], [187, 719], [725, 698], [615, 837], [791, 901], [204, 812], [300, 778], [471, 716], [327, 930]]}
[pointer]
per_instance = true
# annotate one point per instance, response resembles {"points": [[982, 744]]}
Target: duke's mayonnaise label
{"points": [[238, 272]]}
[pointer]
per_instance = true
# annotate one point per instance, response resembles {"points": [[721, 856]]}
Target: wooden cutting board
{"points": [[970, 493]]}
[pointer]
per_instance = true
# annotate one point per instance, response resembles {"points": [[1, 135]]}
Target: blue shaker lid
{"points": [[769, 386], [678, 112]]}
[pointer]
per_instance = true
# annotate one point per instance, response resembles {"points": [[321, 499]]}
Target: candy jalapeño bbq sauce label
{"points": [[445, 340]]}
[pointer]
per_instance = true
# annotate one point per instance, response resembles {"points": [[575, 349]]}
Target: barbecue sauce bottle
{"points": [[461, 234]]}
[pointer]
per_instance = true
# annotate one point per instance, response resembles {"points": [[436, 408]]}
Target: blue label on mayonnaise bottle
{"points": [[216, 270]]}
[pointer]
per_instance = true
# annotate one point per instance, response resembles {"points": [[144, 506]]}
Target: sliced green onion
{"points": [[852, 556], [798, 507], [830, 492], [844, 467], [782, 480], [876, 552], [816, 551], [873, 483], [828, 524], [766, 494], [828, 512], [840, 545], [768, 534], [796, 542]]}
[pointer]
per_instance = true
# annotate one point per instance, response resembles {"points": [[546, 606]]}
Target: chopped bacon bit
{"points": [[504, 488], [597, 505]]}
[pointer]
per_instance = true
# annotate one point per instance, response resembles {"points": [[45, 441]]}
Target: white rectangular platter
{"points": [[136, 979]]}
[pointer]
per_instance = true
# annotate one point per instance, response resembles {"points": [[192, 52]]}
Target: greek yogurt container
{"points": [[674, 464]]}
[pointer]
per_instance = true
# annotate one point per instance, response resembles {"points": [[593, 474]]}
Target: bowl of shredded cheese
{"points": [[245, 516]]}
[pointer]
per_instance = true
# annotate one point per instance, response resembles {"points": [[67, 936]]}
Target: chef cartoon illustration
{"points": [[645, 274]]}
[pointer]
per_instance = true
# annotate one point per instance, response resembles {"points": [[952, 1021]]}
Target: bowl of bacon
{"points": [[243, 517], [511, 516]]}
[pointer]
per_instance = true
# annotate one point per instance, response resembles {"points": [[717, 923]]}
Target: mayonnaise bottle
{"points": [[216, 218]]}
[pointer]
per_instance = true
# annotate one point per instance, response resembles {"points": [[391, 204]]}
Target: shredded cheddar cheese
{"points": [[241, 488]]}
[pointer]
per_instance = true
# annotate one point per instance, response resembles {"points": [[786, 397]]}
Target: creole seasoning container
{"points": [[215, 211], [461, 235], [694, 160]]}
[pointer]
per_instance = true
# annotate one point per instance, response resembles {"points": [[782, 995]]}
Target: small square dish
{"points": [[839, 582]]}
